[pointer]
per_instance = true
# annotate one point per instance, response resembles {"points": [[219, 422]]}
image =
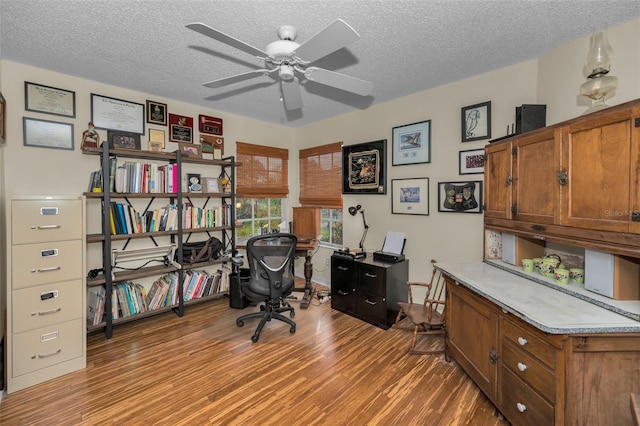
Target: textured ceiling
{"points": [[405, 46]]}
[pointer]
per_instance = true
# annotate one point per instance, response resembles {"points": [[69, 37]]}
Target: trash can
{"points": [[236, 298]]}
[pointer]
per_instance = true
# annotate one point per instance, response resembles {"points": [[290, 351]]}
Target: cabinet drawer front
{"points": [[372, 308], [45, 220], [36, 307], [371, 279], [529, 369], [46, 346], [531, 343], [521, 404], [344, 300], [42, 263]]}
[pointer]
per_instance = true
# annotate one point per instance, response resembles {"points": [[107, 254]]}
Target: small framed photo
{"points": [[471, 161], [210, 184], [410, 196], [156, 140], [154, 146], [156, 113], [123, 140], [412, 143], [190, 150], [476, 122], [194, 183], [460, 197]]}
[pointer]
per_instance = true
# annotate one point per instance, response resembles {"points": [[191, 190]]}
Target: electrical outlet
{"points": [[326, 262]]}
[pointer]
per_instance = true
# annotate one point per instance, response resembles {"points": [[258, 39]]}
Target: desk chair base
{"points": [[270, 310]]}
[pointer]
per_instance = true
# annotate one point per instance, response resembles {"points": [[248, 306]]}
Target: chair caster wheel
{"points": [[240, 323], [261, 308], [292, 330], [254, 338], [292, 314]]}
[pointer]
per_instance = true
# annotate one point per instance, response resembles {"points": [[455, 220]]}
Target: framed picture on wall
{"points": [[471, 161], [412, 143], [476, 122], [364, 168], [410, 196], [460, 197]]}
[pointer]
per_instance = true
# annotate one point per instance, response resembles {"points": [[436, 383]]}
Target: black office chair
{"points": [[270, 259]]}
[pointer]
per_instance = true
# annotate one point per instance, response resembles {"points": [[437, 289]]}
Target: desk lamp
{"points": [[353, 211]]}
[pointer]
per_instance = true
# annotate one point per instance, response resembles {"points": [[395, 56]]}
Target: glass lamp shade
{"points": [[597, 89], [600, 56]]}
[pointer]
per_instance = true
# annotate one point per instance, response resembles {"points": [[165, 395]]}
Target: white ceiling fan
{"points": [[286, 58]]}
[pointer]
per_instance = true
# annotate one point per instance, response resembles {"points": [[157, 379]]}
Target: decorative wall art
{"points": [[471, 161], [460, 197], [180, 128], [476, 122], [117, 114], [410, 196], [191, 150], [412, 143], [47, 134], [123, 140], [156, 113], [364, 168], [49, 100]]}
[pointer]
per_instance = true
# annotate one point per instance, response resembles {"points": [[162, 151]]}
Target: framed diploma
{"points": [[180, 128], [47, 134], [117, 114], [49, 100]]}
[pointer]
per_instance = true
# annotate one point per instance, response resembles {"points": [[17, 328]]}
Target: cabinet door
{"points": [[597, 161], [472, 336], [498, 180], [343, 285], [536, 189]]}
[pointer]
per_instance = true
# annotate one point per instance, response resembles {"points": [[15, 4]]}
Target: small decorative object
{"points": [[412, 143], [460, 197], [576, 275], [90, 138], [156, 113], [49, 100], [211, 184], [226, 184], [353, 211], [194, 183], [47, 134], [364, 168], [410, 196], [597, 66], [471, 161], [180, 128], [123, 140], [476, 122], [210, 125], [190, 150], [156, 140]]}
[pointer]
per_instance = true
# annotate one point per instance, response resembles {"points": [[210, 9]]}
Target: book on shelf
{"points": [[95, 304]]}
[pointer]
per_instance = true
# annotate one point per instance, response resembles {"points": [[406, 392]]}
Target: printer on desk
{"points": [[391, 249]]}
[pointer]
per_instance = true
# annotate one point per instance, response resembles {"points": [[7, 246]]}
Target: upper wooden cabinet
{"points": [[579, 179]]}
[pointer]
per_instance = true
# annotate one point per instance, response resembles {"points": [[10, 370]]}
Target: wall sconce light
{"points": [[353, 211], [597, 66]]}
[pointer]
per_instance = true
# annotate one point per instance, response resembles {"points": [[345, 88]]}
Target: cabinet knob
{"points": [[522, 367], [521, 407], [563, 177], [522, 341], [508, 181]]}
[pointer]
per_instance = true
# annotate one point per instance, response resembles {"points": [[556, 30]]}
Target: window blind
{"points": [[321, 176], [264, 172]]}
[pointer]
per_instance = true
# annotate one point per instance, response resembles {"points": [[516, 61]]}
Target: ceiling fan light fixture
{"points": [[286, 72]]}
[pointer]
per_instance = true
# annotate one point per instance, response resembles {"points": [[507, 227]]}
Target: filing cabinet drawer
{"points": [[47, 346], [45, 220], [372, 308], [529, 342], [41, 306], [522, 405], [371, 279], [528, 368], [41, 263]]}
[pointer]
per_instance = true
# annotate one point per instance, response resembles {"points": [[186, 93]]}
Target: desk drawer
{"points": [[522, 405], [372, 308], [47, 346], [62, 302], [526, 367], [41, 263], [371, 279], [45, 220], [529, 342]]}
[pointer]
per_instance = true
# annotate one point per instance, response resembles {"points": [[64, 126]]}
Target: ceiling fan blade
{"points": [[291, 94], [238, 78], [336, 36], [339, 81], [227, 39]]}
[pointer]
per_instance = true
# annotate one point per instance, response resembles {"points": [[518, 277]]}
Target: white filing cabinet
{"points": [[46, 297]]}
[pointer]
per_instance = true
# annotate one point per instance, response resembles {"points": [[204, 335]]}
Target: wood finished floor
{"points": [[202, 369]]}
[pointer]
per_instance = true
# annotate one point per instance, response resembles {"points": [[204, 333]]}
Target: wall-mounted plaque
{"points": [[210, 125], [180, 128]]}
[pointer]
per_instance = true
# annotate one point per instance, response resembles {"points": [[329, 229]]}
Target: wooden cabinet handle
{"points": [[522, 367], [563, 177], [522, 341], [521, 407], [508, 181]]}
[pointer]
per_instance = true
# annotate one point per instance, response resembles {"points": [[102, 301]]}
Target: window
{"points": [[321, 186], [262, 187]]}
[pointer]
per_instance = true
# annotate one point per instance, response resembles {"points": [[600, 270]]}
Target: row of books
{"points": [[136, 177], [124, 219], [199, 284]]}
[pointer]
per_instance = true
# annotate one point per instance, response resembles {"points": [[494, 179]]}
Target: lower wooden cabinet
{"points": [[537, 378], [367, 289]]}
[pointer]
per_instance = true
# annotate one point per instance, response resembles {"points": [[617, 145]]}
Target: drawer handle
{"points": [[522, 341], [522, 367], [52, 268], [48, 227], [343, 293], [521, 407], [370, 275], [51, 311], [49, 354], [343, 268], [373, 303]]}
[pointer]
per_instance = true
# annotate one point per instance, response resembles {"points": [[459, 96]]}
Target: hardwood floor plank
{"points": [[203, 369]]}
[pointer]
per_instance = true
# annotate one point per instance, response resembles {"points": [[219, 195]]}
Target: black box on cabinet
{"points": [[530, 117]]}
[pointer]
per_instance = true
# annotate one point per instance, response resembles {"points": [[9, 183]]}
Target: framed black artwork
{"points": [[476, 122], [364, 168], [460, 197]]}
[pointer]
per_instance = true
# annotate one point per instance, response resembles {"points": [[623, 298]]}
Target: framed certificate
{"points": [[117, 114], [47, 134], [49, 100]]}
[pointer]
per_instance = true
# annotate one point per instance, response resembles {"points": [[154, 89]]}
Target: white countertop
{"points": [[548, 309]]}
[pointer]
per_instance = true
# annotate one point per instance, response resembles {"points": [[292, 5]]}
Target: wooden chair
{"points": [[427, 317]]}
